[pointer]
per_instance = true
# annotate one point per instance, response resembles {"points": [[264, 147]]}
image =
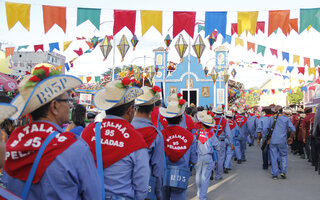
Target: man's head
{"points": [[125, 111]]}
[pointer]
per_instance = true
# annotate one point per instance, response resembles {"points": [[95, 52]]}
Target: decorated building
{"points": [[191, 80]]}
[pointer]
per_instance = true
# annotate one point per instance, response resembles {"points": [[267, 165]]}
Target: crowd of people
{"points": [[139, 149]]}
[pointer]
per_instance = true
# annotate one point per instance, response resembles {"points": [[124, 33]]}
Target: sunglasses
{"points": [[68, 100]]}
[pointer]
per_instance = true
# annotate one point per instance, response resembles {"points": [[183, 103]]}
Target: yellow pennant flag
{"points": [[247, 21], [237, 63], [239, 41], [81, 78], [151, 18], [18, 12], [66, 45], [59, 68], [301, 81], [312, 70], [280, 69], [296, 59]]}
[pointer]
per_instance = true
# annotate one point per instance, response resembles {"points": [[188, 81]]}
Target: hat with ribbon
{"points": [[149, 97], [206, 117], [229, 113], [116, 93], [176, 107], [7, 111], [43, 85], [218, 110]]}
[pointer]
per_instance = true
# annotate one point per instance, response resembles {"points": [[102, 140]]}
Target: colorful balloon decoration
{"points": [[181, 46], [199, 47], [123, 47]]}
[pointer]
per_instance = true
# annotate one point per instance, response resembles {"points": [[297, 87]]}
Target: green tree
{"points": [[109, 71], [295, 97]]}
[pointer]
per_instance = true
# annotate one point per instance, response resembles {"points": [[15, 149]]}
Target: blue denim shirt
{"points": [[279, 135]]}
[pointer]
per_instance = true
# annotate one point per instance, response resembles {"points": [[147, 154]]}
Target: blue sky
{"points": [[304, 44]]}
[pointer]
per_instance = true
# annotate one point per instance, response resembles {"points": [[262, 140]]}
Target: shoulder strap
{"points": [[8, 195], [213, 151], [99, 156], [35, 164], [218, 126]]}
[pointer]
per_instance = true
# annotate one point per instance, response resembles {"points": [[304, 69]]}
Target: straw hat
{"points": [[206, 118], [218, 110], [174, 97], [240, 110], [41, 87], [149, 97], [174, 109], [7, 110], [229, 113], [116, 93]]}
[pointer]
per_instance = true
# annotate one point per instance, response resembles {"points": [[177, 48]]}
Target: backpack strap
{"points": [[99, 156]]}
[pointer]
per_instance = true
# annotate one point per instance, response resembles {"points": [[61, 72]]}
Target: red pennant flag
{"points": [[301, 70], [274, 52], [231, 63], [319, 70], [81, 38], [269, 66], [252, 46], [312, 88], [27, 72], [273, 91], [318, 80], [124, 18], [260, 26], [54, 15], [306, 61], [38, 47], [89, 79], [184, 21], [9, 51], [234, 28], [293, 24], [279, 19], [79, 52]]}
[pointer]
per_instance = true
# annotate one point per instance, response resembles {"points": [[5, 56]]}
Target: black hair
{"points": [[40, 112], [157, 103], [147, 109], [78, 115], [188, 110], [174, 120], [119, 110], [206, 126]]}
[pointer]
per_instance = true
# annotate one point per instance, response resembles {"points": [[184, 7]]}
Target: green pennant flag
{"points": [[88, 51], [200, 28], [261, 49], [310, 17], [97, 78], [262, 65], [316, 62], [91, 14], [22, 47]]}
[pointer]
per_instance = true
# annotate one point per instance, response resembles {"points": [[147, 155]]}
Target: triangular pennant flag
{"points": [[289, 69], [183, 21], [285, 77], [316, 62], [252, 46], [273, 91], [312, 88], [79, 52], [81, 38], [231, 63], [81, 78], [200, 28], [279, 19], [318, 71], [22, 47], [54, 15], [239, 41], [280, 69], [312, 70], [317, 81], [262, 65], [306, 61], [226, 39], [215, 21], [124, 18], [285, 56], [269, 66], [310, 17], [66, 45], [89, 44], [261, 49], [9, 51], [59, 68], [304, 88], [91, 14], [151, 18], [38, 47], [18, 12], [260, 26], [53, 46], [88, 51], [234, 28], [296, 59], [301, 70], [247, 21], [97, 78], [88, 79], [301, 81], [293, 25], [274, 52]]}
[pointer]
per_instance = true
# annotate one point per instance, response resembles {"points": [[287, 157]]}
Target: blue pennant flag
{"points": [[226, 39], [53, 46], [290, 91], [66, 65], [215, 20], [264, 90], [285, 56], [304, 88], [289, 69], [280, 89], [285, 77]]}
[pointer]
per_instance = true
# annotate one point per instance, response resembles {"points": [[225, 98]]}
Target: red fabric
{"points": [[301, 70], [234, 28], [251, 45], [189, 122], [279, 19], [24, 144], [307, 123], [79, 52], [274, 52], [222, 125], [197, 125], [293, 24], [154, 118], [202, 137], [232, 123], [38, 47], [251, 114], [119, 140], [260, 26], [177, 141], [268, 115], [184, 21], [9, 84], [148, 134], [124, 18], [238, 120], [306, 61], [54, 15]]}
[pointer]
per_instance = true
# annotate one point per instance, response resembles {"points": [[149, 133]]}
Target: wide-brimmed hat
{"points": [[149, 97], [229, 113], [240, 111], [116, 93], [7, 110], [174, 109], [174, 97], [42, 86], [218, 110], [206, 118]]}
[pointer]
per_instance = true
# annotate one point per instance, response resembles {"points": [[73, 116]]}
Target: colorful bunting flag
{"points": [[239, 41], [233, 73], [306, 61], [304, 88], [285, 77], [312, 88], [318, 70], [215, 21], [151, 18], [183, 21], [18, 12], [91, 14], [66, 45], [261, 49], [124, 18], [89, 44], [251, 45], [285, 56], [296, 59], [274, 52], [269, 66], [280, 68], [38, 47], [88, 78], [301, 81], [53, 46], [97, 78], [226, 39], [260, 26], [200, 28], [231, 63], [234, 29], [22, 47], [9, 51], [66, 66], [301, 70], [247, 21], [279, 19], [79, 52], [310, 17], [54, 15], [293, 25], [316, 62], [312, 70], [289, 69]]}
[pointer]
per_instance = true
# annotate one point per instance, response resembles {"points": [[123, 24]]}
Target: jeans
{"points": [[276, 151], [243, 146], [204, 168]]}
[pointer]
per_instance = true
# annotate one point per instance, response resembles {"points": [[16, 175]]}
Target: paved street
{"points": [[249, 182]]}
